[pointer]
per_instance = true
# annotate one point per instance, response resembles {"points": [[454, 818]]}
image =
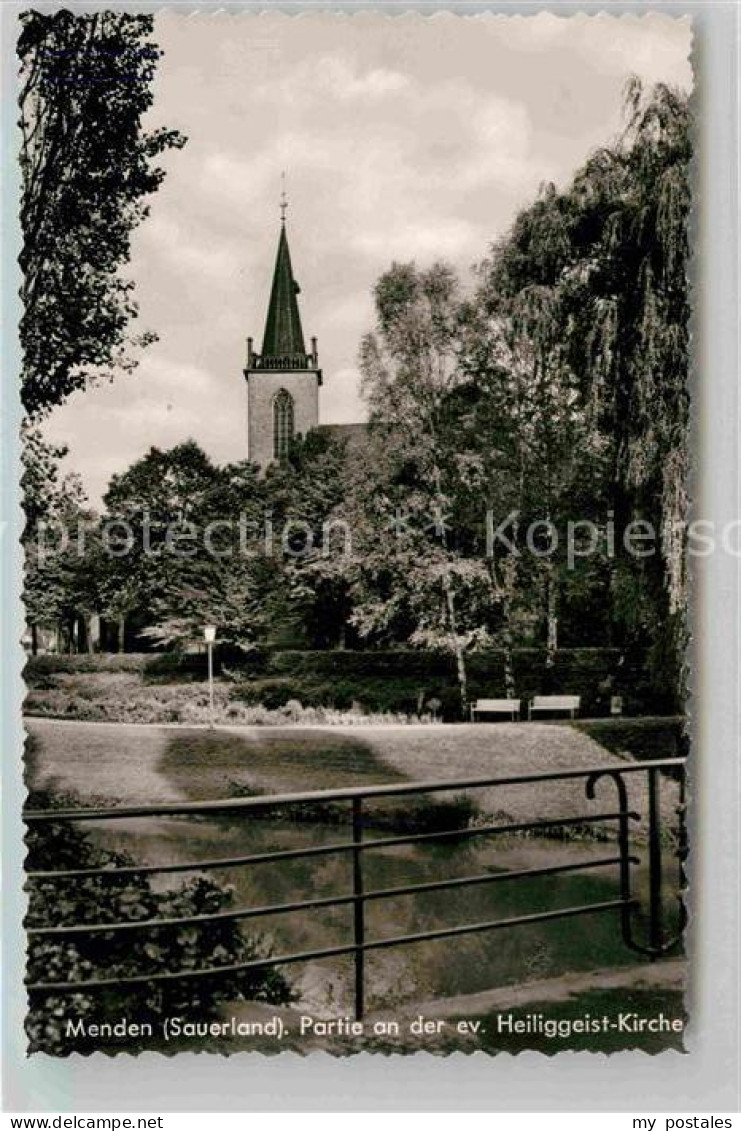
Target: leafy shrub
{"points": [[190, 707], [171, 666], [60, 845], [270, 693], [422, 814], [415, 814], [293, 710], [360, 696]]}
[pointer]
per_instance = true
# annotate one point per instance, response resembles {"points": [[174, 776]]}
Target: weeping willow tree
{"points": [[596, 278], [637, 354], [638, 344]]}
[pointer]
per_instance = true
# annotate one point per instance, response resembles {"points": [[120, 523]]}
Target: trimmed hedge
{"points": [[343, 663], [396, 680], [56, 663], [157, 665]]}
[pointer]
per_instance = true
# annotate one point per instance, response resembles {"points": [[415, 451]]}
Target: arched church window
{"points": [[282, 424]]}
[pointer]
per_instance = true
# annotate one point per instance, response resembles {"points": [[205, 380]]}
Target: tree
{"points": [[638, 350], [492, 418], [234, 594], [87, 166], [411, 567], [606, 263], [64, 566], [534, 390], [149, 510], [307, 497], [41, 494], [186, 548]]}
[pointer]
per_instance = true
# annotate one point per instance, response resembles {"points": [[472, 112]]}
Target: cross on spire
{"points": [[283, 199]]}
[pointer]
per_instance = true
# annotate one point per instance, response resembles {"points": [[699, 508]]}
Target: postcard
{"points": [[355, 480]]}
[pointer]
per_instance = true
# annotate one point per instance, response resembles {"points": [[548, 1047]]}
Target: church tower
{"points": [[283, 380]]}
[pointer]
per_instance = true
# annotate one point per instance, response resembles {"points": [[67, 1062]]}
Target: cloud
{"points": [[398, 190], [184, 251], [167, 376], [335, 76], [654, 46], [412, 238]]}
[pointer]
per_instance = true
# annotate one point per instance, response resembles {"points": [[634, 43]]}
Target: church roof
{"points": [[283, 334], [356, 432]]}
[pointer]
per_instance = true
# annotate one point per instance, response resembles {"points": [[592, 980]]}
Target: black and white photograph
{"points": [[357, 550]]}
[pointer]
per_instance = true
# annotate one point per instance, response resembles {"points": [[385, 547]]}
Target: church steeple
{"points": [[283, 380], [284, 338]]}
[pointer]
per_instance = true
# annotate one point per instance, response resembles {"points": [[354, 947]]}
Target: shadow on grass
{"points": [[296, 759], [217, 764]]}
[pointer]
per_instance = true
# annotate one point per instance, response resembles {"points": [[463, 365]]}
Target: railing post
{"points": [[654, 861], [624, 844], [358, 908], [626, 896]]}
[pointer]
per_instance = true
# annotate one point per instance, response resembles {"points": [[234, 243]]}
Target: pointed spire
{"points": [[283, 334]]}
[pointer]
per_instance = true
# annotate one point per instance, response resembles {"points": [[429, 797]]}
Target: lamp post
{"points": [[209, 634]]}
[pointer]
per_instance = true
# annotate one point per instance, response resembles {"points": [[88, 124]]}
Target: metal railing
{"points": [[288, 361], [656, 945]]}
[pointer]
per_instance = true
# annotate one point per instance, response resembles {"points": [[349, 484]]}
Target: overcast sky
{"points": [[402, 138]]}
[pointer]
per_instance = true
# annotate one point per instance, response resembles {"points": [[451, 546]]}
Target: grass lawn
{"points": [[127, 764]]}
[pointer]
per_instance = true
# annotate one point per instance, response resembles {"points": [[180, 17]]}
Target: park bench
{"points": [[495, 707], [555, 704]]}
